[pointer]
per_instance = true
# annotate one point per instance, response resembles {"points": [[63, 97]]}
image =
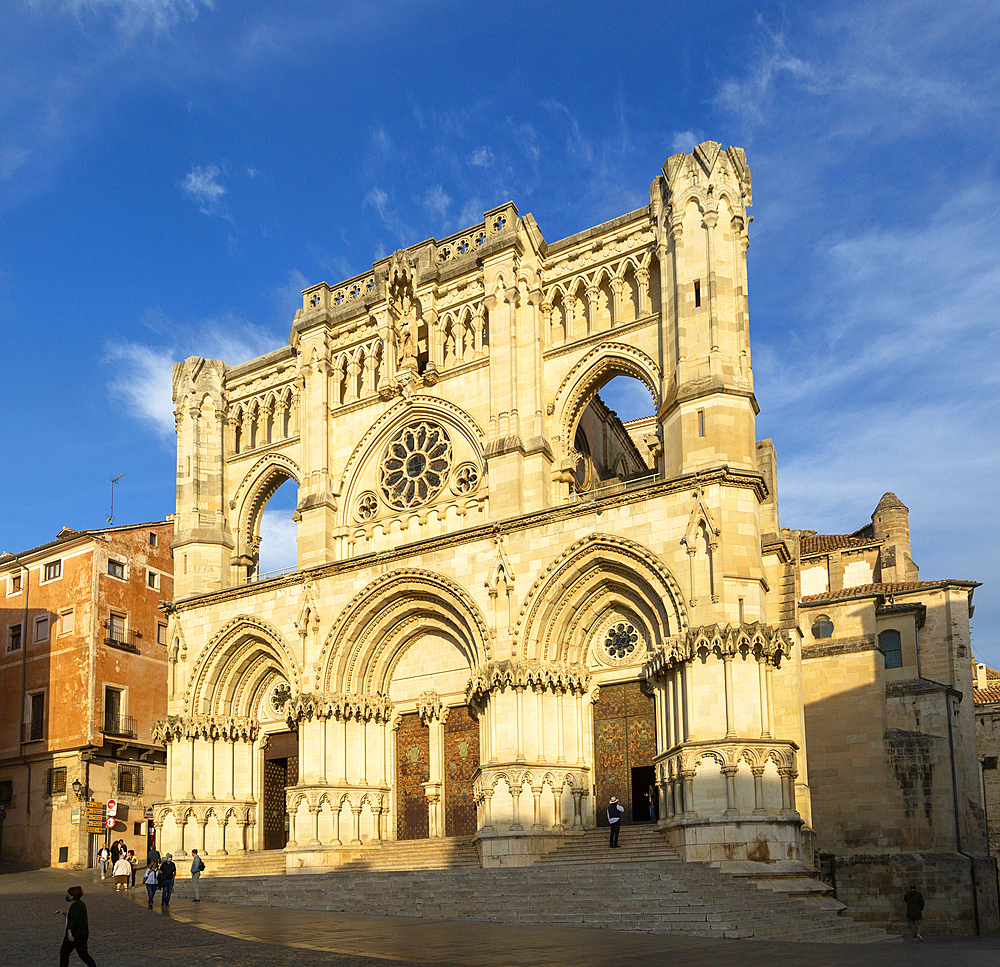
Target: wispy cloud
{"points": [[278, 538], [131, 17], [389, 215], [482, 157], [203, 187], [142, 371], [436, 201]]}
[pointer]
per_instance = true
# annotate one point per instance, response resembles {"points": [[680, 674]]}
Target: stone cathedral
{"points": [[509, 605]]}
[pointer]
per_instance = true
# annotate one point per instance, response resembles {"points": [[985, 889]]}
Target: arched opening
{"points": [[616, 436], [277, 549]]}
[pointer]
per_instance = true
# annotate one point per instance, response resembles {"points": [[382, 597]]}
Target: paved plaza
{"points": [[124, 933]]}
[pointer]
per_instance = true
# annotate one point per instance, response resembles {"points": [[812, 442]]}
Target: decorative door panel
{"points": [[413, 768], [624, 740], [275, 774], [461, 760]]}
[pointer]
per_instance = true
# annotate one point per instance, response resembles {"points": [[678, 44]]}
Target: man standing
{"points": [[102, 858], [168, 873], [152, 855], [615, 810], [197, 865], [914, 901]]}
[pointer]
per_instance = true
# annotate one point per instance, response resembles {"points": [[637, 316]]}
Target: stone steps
{"points": [[642, 886]]}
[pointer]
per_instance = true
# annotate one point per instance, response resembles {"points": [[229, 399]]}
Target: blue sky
{"points": [[173, 172]]}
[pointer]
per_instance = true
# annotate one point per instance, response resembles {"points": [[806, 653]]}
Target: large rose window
{"points": [[416, 464]]}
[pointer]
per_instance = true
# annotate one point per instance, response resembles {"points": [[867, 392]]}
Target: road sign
{"points": [[3, 815], [110, 822], [112, 807], [95, 816]]}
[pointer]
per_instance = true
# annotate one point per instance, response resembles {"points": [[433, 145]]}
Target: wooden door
{"points": [[413, 768], [461, 760], [624, 739], [275, 778]]}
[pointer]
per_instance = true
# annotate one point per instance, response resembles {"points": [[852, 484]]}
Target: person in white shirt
{"points": [[615, 810], [122, 872], [102, 858]]}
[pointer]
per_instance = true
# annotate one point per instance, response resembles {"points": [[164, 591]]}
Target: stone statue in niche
{"points": [[405, 329]]}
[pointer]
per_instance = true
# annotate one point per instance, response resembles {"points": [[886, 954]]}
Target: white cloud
{"points": [[482, 157], [683, 142], [131, 17], [389, 214], [436, 201], [142, 372], [202, 186], [278, 547]]}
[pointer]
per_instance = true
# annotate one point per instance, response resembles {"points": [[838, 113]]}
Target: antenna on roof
{"points": [[114, 480]]}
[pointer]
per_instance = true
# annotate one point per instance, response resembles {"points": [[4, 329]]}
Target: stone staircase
{"points": [[642, 886], [254, 863]]}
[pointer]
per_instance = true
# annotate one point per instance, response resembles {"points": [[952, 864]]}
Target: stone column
{"points": [[758, 790], [730, 698], [536, 825], [688, 777], [765, 722], [355, 825], [335, 809], [202, 824], [223, 823], [314, 813], [515, 795], [730, 773], [559, 700], [519, 693]]}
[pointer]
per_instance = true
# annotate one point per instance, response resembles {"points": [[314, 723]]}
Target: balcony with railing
{"points": [[119, 637], [119, 725]]}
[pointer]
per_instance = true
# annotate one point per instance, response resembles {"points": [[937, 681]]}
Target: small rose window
{"points": [[621, 641], [280, 694]]}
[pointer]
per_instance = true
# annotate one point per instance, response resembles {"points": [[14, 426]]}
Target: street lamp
{"points": [[79, 789]]}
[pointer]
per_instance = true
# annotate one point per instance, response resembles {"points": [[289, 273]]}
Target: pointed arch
{"points": [[253, 493], [372, 632], [230, 670], [576, 591]]}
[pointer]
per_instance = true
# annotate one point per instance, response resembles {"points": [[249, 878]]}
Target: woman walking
{"points": [[149, 878]]}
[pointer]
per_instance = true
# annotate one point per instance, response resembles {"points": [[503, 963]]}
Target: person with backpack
{"points": [[151, 881], [615, 810], [166, 877], [197, 865]]}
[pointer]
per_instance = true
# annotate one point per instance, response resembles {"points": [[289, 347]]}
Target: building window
{"points": [[63, 854], [697, 293], [890, 643], [701, 422], [55, 782], [35, 727], [53, 570], [66, 622], [117, 633], [161, 634], [130, 780], [14, 639], [42, 628], [989, 762], [116, 569], [136, 829], [6, 792], [152, 579], [152, 538], [15, 583], [822, 627]]}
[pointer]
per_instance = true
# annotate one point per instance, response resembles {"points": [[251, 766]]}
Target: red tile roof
{"points": [[988, 695], [831, 542], [864, 590]]}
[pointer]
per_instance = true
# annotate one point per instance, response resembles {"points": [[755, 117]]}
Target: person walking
{"points": [[151, 882], [102, 859], [115, 853], [122, 871], [152, 856], [197, 865], [615, 810], [168, 873], [133, 862], [914, 901], [77, 929]]}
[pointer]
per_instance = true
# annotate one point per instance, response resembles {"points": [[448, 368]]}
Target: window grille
{"points": [[130, 780], [55, 781]]}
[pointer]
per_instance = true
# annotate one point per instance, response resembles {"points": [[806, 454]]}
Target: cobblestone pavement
{"points": [[124, 933]]}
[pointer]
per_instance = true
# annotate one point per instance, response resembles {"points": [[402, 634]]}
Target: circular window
{"points": [[367, 506], [621, 640], [466, 479], [416, 464], [280, 693]]}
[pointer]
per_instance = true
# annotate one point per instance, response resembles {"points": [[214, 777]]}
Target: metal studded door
{"points": [[461, 760], [275, 775], [624, 739], [413, 768]]}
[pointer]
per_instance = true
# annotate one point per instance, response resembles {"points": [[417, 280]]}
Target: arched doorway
{"points": [[624, 749]]}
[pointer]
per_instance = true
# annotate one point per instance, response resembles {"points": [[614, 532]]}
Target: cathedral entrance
{"points": [[624, 747], [461, 757], [281, 770], [413, 769]]}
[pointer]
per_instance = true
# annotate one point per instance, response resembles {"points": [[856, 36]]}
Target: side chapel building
{"points": [[509, 605]]}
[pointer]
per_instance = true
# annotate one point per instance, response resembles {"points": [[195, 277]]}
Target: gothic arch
{"points": [[374, 629], [255, 490], [602, 363], [574, 592], [453, 417], [239, 657]]}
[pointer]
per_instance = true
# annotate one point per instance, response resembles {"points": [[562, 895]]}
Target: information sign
{"points": [[95, 816]]}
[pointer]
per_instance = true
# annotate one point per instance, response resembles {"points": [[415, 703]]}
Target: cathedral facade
{"points": [[509, 605]]}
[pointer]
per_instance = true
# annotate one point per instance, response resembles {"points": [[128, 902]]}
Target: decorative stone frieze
{"points": [[763, 641], [546, 676]]}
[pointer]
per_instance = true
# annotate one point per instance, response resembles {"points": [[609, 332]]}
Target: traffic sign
{"points": [[110, 822], [112, 807], [3, 815]]}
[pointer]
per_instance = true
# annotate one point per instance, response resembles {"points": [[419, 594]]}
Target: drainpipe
{"points": [[958, 821]]}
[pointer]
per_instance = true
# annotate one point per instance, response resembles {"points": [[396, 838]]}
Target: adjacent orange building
{"points": [[83, 662]]}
